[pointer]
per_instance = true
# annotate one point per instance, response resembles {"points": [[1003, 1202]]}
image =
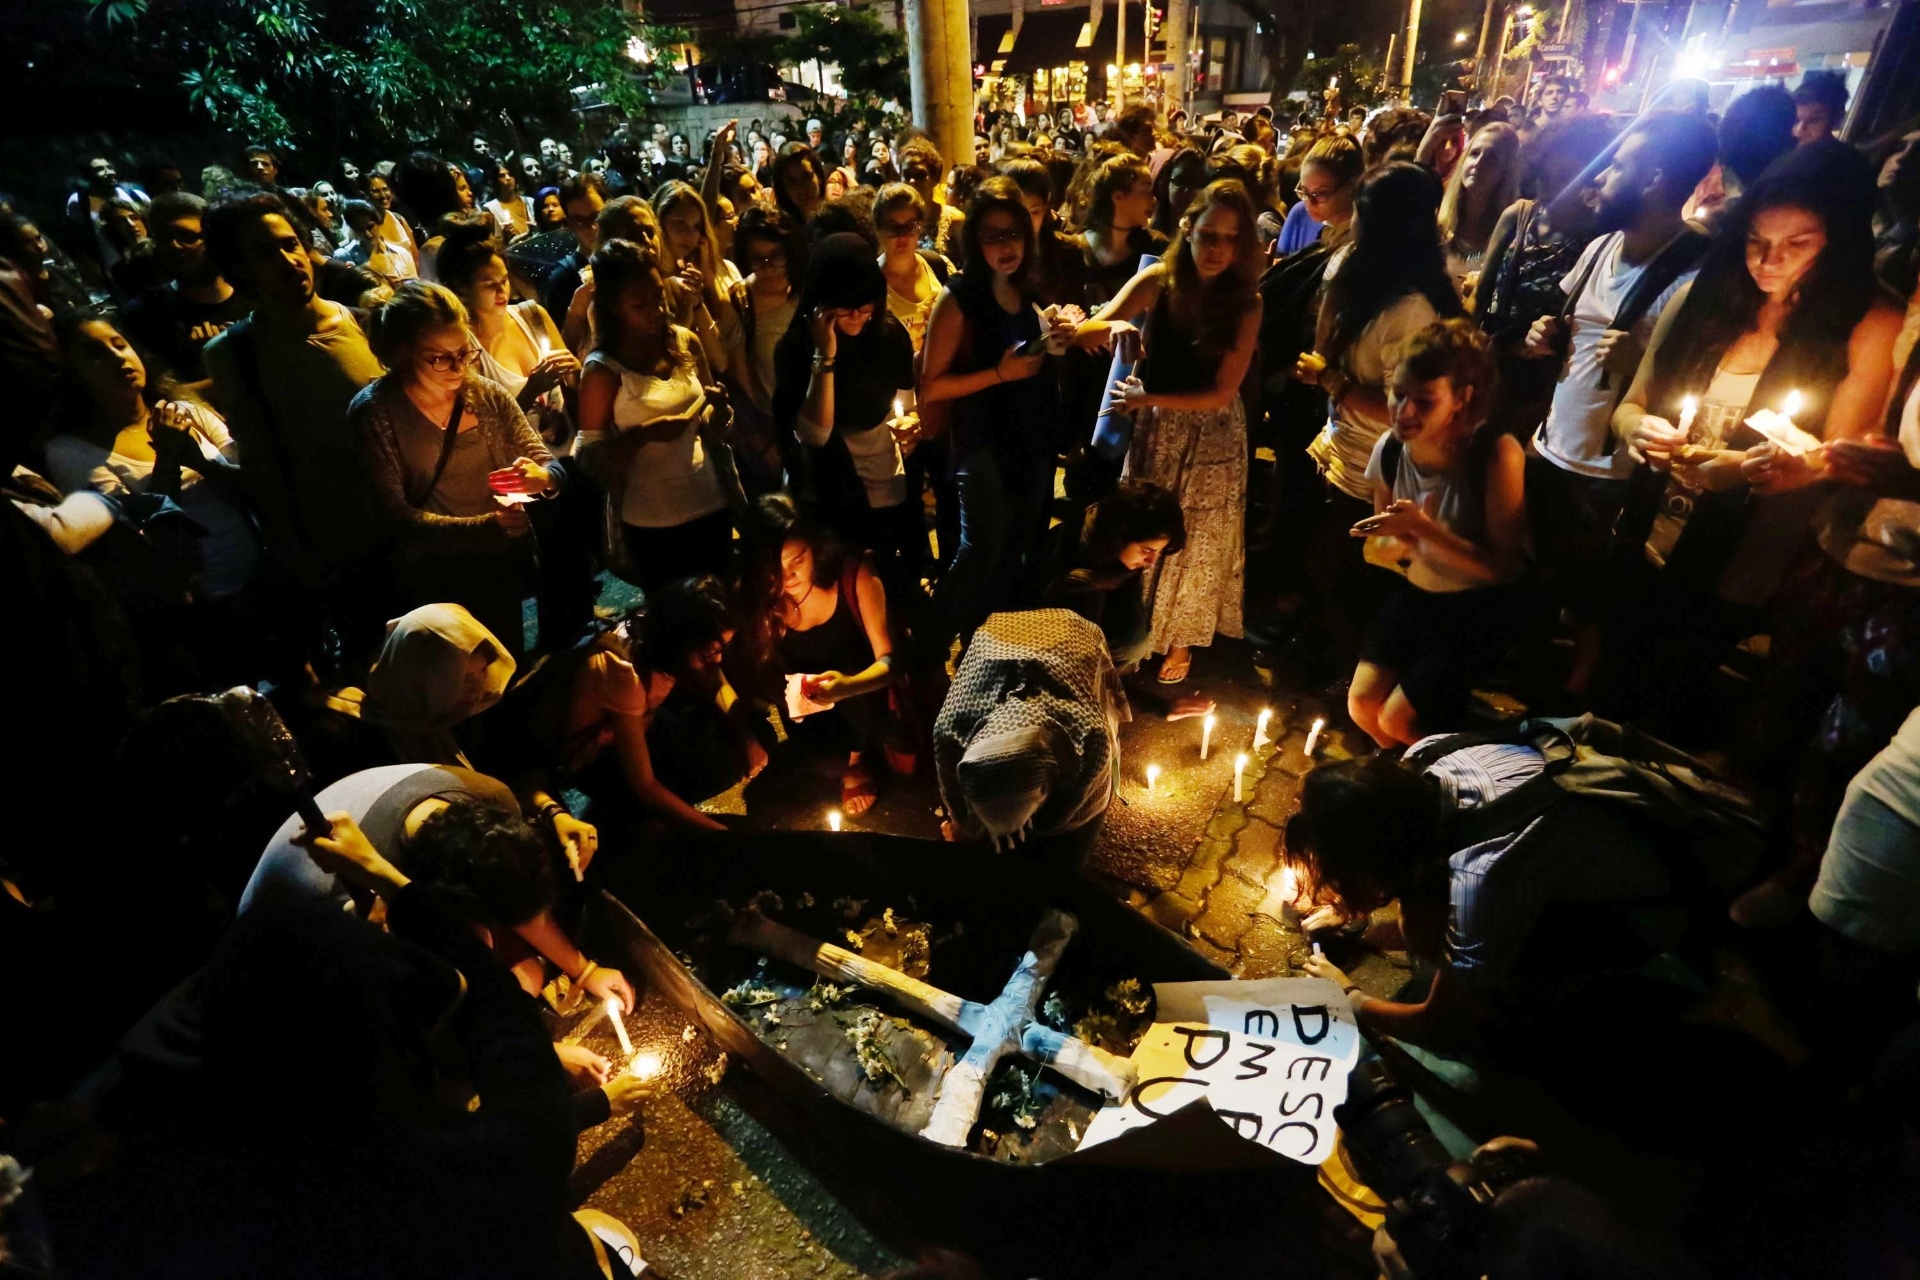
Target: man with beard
{"points": [[176, 320], [1643, 251]]}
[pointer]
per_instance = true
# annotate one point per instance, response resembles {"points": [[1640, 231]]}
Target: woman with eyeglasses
{"points": [[1190, 428], [768, 247], [1327, 175], [985, 346], [452, 461]]}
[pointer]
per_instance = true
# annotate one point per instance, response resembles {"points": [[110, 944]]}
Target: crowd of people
{"points": [[1580, 405]]}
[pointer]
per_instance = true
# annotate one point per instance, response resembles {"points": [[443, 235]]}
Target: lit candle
{"points": [[1688, 408], [833, 819], [1206, 735], [1260, 738], [899, 408], [1792, 405], [1239, 776], [619, 1027], [1286, 885], [646, 1066], [1313, 736], [1153, 778]]}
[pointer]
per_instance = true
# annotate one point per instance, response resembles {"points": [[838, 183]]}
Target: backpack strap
{"points": [[1390, 459], [1520, 806], [1675, 258], [936, 263]]}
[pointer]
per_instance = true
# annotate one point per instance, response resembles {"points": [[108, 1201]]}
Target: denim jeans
{"points": [[999, 510]]}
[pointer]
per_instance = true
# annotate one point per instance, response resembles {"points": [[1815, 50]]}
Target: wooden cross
{"points": [[1008, 1025]]}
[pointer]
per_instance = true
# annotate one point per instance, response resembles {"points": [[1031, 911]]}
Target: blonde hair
{"points": [[416, 308], [1506, 146]]}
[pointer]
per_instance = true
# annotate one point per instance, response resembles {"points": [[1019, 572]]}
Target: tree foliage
{"points": [[872, 57], [357, 73]]}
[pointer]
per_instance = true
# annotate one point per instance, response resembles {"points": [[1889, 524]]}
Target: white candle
{"points": [[619, 1027], [1313, 736], [899, 408], [1791, 406], [1688, 408], [1316, 948], [1260, 738], [833, 819], [1206, 735], [1239, 776], [1153, 778]]}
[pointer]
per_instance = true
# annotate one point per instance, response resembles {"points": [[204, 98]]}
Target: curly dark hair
{"points": [[1138, 511], [1456, 350], [1369, 831], [485, 863]]}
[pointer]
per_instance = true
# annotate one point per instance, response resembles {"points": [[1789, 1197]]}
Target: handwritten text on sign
{"points": [[1270, 1057]]}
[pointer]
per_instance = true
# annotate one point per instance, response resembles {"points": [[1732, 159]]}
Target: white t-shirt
{"points": [[1574, 435], [670, 482]]}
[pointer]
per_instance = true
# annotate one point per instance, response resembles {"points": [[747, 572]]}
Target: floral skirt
{"points": [[1201, 456]]}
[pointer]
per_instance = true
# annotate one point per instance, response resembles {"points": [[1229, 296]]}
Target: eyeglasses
{"points": [[581, 221], [1318, 197], [905, 228], [444, 361], [181, 236], [994, 239]]}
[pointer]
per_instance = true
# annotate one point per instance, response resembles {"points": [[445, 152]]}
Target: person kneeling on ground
{"points": [[1027, 743], [461, 832], [1372, 831], [1450, 513], [1122, 543]]}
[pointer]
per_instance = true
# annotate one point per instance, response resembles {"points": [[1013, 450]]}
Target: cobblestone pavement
{"points": [[1197, 862]]}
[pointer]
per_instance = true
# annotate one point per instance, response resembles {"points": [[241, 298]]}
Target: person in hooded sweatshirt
{"points": [[1027, 743]]}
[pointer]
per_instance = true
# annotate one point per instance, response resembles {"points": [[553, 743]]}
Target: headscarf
{"points": [[418, 689], [1006, 777]]}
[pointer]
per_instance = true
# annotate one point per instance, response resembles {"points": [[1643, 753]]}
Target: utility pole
{"points": [[1480, 51], [1408, 51], [940, 53], [1178, 87], [1120, 56]]}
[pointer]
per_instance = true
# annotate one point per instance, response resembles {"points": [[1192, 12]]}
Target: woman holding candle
{"points": [[644, 409], [1785, 302], [844, 362], [453, 460], [820, 615], [1449, 509], [1190, 432]]}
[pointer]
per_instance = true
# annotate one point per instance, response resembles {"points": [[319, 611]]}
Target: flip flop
{"points": [[857, 782], [1170, 674]]}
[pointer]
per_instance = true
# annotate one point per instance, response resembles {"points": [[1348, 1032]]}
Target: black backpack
{"points": [[1718, 825], [1290, 310]]}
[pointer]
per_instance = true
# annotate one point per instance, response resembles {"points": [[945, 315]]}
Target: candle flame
{"points": [[1792, 405], [1689, 404], [1211, 721], [1153, 776], [1286, 884], [647, 1066], [833, 819], [1240, 762]]}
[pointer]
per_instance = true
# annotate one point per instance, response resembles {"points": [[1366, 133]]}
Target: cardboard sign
{"points": [[1270, 1057]]}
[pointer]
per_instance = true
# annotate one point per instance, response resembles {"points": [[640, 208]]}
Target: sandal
{"points": [[1170, 673], [858, 790]]}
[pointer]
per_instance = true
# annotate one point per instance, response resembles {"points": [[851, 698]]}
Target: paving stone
{"points": [[1230, 909], [1172, 910], [1256, 854], [1267, 949]]}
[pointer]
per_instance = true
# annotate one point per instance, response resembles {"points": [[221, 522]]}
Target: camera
{"points": [[1439, 1210]]}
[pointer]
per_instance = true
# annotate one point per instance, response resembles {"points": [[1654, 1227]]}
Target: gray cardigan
{"points": [[374, 418]]}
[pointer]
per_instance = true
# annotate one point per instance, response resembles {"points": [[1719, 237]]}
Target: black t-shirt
{"points": [[175, 329]]}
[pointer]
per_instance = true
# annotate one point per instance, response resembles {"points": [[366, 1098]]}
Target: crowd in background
{"points": [[1585, 407]]}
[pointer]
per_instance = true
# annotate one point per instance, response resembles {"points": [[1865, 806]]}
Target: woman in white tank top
{"points": [[644, 408]]}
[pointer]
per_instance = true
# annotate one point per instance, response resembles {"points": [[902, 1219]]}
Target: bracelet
{"points": [[824, 366], [1351, 988], [551, 810], [585, 973], [997, 375]]}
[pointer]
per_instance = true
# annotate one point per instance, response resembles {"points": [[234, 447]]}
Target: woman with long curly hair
{"points": [[1190, 429], [1785, 302]]}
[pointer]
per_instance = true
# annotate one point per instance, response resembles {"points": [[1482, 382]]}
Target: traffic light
{"points": [[1154, 17]]}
